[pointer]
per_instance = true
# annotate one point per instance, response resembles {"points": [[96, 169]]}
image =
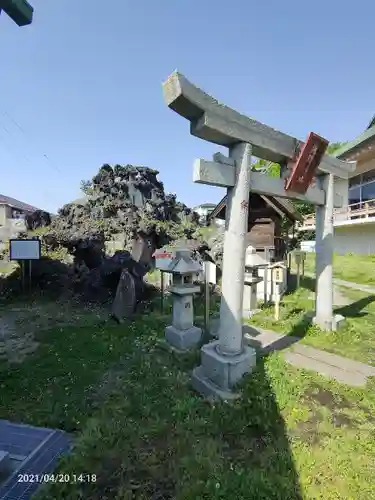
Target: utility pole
{"points": [[20, 11]]}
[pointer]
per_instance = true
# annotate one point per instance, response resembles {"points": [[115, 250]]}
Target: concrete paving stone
{"points": [[342, 369], [348, 284], [354, 379], [271, 341], [334, 360]]}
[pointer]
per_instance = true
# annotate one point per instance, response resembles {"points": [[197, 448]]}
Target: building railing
{"points": [[361, 210]]}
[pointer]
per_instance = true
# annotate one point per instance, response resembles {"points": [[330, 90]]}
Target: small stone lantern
{"points": [[182, 334], [253, 262]]}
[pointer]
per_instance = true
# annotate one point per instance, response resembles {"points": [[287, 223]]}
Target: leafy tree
{"points": [[87, 188], [334, 146]]}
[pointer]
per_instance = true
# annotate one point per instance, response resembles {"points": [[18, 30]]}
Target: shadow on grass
{"points": [[255, 438], [300, 329], [52, 279], [305, 282], [45, 279], [155, 438], [354, 310], [251, 436]]}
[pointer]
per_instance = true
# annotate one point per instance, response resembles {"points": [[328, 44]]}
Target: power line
{"points": [[46, 194], [44, 155], [5, 113], [19, 152]]}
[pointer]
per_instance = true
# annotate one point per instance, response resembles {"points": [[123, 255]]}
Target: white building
{"points": [[204, 211], [354, 224]]}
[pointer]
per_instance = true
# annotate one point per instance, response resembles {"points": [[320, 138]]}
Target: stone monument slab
{"points": [[125, 300]]}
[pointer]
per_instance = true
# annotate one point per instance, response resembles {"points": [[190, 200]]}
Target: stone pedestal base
{"points": [[218, 374], [333, 325], [183, 340]]}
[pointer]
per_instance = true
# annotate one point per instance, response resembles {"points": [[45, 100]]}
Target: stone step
{"points": [[267, 340]]}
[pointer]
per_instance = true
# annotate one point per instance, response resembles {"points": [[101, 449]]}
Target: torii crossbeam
{"points": [[225, 361]]}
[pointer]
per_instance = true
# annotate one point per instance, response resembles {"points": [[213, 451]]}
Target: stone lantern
{"points": [[253, 262], [182, 334]]}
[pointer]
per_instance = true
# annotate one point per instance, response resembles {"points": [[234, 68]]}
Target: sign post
{"points": [[209, 277], [25, 251], [303, 268], [277, 278], [299, 259], [161, 292], [163, 259], [277, 304]]}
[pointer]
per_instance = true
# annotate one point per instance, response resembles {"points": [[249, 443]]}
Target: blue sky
{"points": [[81, 86]]}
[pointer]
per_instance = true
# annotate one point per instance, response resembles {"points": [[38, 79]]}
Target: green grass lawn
{"points": [[356, 268], [355, 340], [146, 435]]}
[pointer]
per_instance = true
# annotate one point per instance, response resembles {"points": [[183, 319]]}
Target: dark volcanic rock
{"points": [[123, 203], [127, 201], [216, 247], [37, 219]]}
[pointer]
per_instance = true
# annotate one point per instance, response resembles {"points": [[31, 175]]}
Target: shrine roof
{"points": [[363, 141], [281, 205]]}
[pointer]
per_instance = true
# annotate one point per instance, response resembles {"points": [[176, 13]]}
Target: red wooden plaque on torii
{"points": [[303, 166]]}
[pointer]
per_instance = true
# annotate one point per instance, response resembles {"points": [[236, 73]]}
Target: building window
{"points": [[368, 192], [362, 188], [355, 181], [17, 215], [354, 195]]}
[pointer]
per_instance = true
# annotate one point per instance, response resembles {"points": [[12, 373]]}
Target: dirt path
{"points": [[19, 322]]}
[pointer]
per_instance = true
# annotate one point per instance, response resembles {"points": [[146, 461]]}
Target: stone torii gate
{"points": [[20, 11], [225, 361]]}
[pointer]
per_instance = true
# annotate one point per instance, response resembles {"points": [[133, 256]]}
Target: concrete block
{"points": [[208, 389], [334, 324], [226, 371], [5, 464], [183, 340]]}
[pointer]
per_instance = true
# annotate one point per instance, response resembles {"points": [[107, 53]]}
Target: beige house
{"points": [[12, 215], [354, 224]]}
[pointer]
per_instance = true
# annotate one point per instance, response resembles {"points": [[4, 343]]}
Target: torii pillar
{"points": [[324, 317], [225, 361]]}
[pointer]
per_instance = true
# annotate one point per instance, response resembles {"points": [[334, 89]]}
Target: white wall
{"points": [[357, 239], [341, 187]]}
